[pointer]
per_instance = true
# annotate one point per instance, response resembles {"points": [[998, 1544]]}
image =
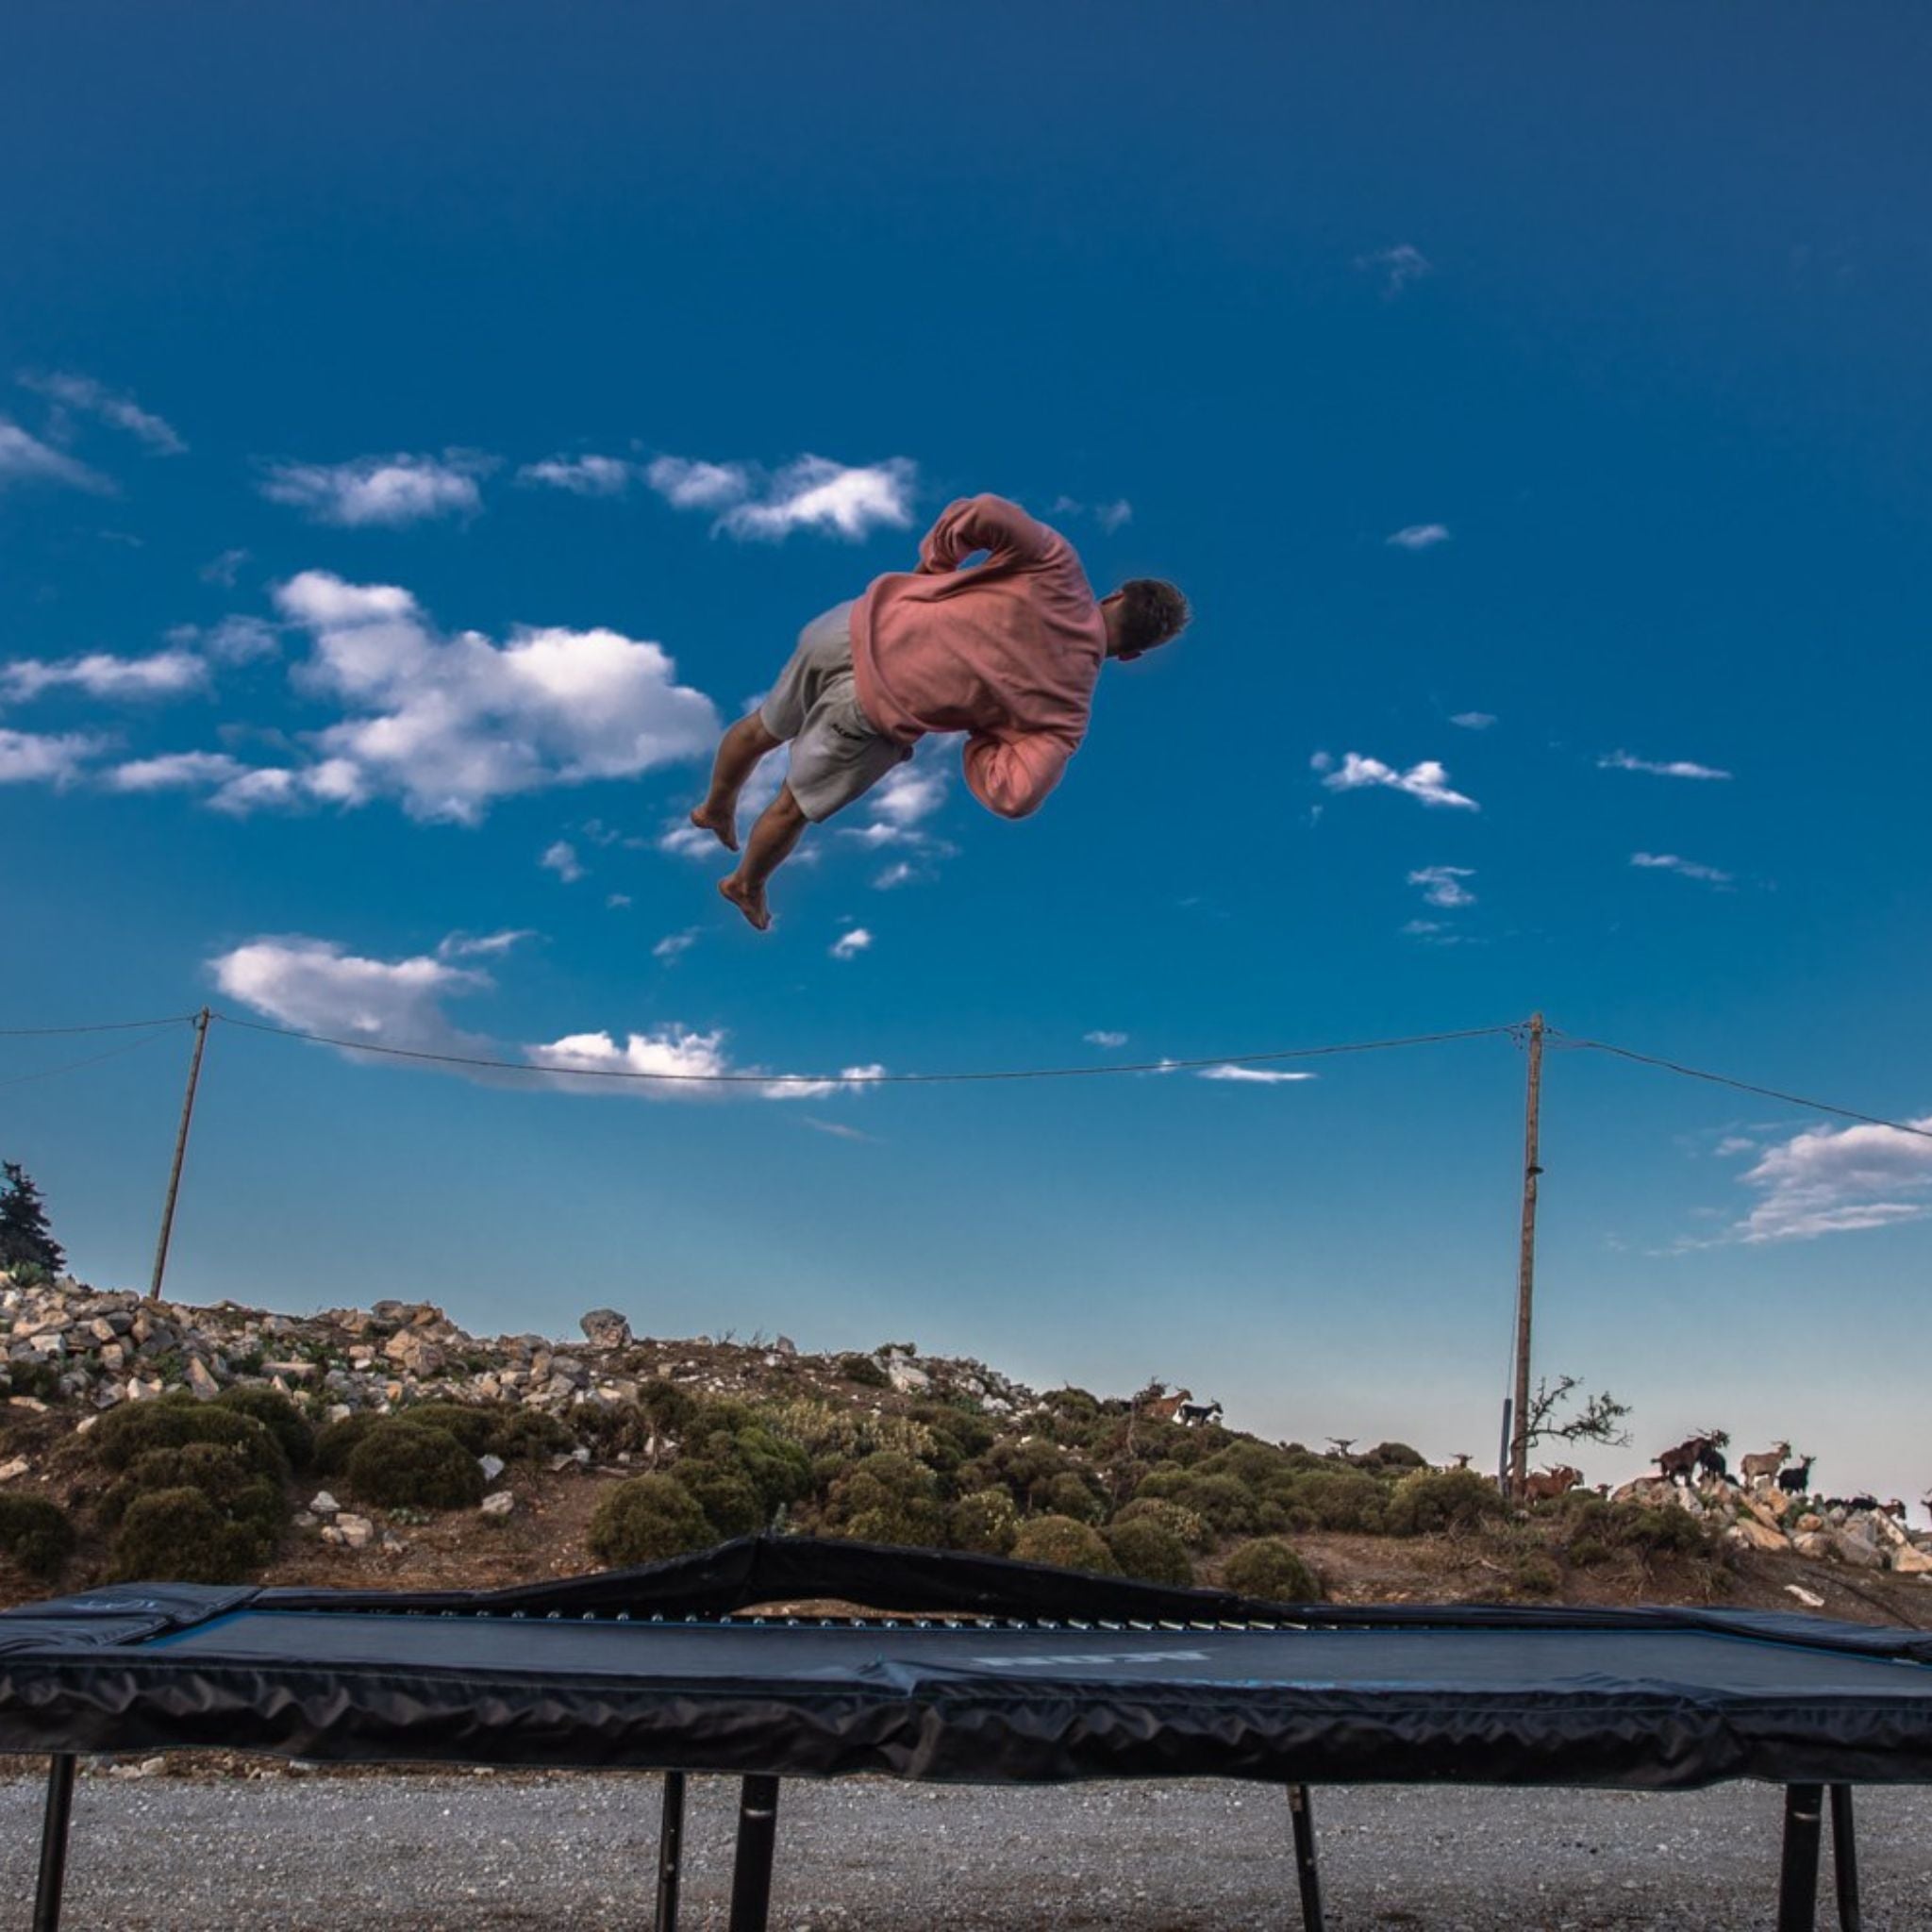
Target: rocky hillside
{"points": [[389, 1444]]}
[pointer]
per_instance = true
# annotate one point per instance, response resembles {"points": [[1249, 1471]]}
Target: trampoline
{"points": [[999, 1672]]}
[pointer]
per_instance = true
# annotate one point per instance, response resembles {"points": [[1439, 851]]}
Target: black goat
{"points": [[1796, 1481]]}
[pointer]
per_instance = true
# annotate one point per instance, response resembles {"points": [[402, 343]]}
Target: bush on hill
{"points": [[1194, 1530], [36, 1535], [181, 1536], [985, 1521], [1147, 1549], [645, 1519], [887, 1499], [1271, 1570], [1438, 1499], [276, 1414], [1066, 1543], [404, 1464], [174, 1421]]}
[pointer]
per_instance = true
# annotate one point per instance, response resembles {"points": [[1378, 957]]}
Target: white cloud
{"points": [[580, 476], [1838, 1180], [850, 1080], [1256, 1076], [902, 871], [1110, 516], [166, 674], [233, 640], [385, 491], [1398, 266], [179, 770], [225, 569], [315, 986], [1421, 928], [25, 459], [562, 859], [1674, 768], [1428, 782], [447, 725], [1685, 868], [1103, 1038], [1442, 885], [810, 494], [94, 399], [675, 945], [848, 946], [330, 781], [486, 946], [1734, 1144], [29, 757], [837, 1130], [615, 901], [1418, 537], [1473, 720]]}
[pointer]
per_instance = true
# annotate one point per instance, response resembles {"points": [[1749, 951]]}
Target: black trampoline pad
{"points": [[1420, 1661]]}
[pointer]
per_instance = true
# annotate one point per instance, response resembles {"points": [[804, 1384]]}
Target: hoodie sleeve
{"points": [[1011, 771], [985, 523]]}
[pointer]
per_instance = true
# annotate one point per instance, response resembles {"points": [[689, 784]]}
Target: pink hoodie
{"points": [[1009, 651]]}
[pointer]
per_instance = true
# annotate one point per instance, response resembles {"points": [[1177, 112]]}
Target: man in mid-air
{"points": [[1008, 652]]}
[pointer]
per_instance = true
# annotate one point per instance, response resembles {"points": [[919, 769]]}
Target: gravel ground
{"points": [[422, 1853]]}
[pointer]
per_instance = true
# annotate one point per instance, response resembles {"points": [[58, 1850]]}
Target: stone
{"points": [[1810, 1521], [201, 1380], [500, 1503], [18, 1466], [907, 1378], [1855, 1550], [1907, 1560], [414, 1352], [358, 1532], [784, 1345], [1747, 1530], [324, 1504], [606, 1328], [1815, 1544], [491, 1466], [1809, 1598]]}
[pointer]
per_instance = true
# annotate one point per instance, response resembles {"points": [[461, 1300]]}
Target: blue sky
{"points": [[421, 429]]}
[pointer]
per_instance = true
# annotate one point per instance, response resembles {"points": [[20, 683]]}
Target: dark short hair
{"points": [[1152, 611]]}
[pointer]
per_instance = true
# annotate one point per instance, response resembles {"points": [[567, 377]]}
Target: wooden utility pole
{"points": [[201, 1020], [1525, 1264]]}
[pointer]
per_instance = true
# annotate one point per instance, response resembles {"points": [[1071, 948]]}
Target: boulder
{"points": [[414, 1352], [1809, 1598], [1907, 1560], [1758, 1536], [906, 1377], [499, 1503], [1855, 1550], [1815, 1544], [491, 1466], [358, 1532], [606, 1328], [322, 1503], [201, 1380]]}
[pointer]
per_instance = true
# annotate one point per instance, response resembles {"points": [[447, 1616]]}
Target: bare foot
{"points": [[722, 820], [750, 900]]}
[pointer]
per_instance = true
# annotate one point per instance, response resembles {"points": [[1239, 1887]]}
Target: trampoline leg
{"points": [[758, 1835], [1301, 1815], [54, 1843], [670, 1852], [1797, 1890], [1844, 1859]]}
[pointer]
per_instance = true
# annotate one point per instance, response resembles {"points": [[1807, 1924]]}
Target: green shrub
{"points": [[134, 1429], [1334, 1499], [475, 1425], [1069, 1494], [179, 1536], [1432, 1500], [985, 1520], [1595, 1528], [400, 1463], [1253, 1463], [1196, 1531], [887, 1498], [864, 1369], [1146, 1549], [1535, 1576], [41, 1380], [527, 1434], [1394, 1456], [958, 1434], [646, 1519], [733, 1436], [216, 1468], [1026, 1471], [1271, 1570], [669, 1406], [278, 1415], [36, 1535], [335, 1443], [729, 1499], [1066, 1543]]}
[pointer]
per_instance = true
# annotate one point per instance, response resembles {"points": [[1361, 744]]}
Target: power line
{"points": [[1648, 1060], [92, 1060], [101, 1027], [1106, 1070]]}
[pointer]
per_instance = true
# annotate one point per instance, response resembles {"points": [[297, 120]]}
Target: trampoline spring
{"points": [[624, 1616]]}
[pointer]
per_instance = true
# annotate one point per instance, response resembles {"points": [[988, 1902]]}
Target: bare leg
{"points": [[738, 753], [779, 828]]}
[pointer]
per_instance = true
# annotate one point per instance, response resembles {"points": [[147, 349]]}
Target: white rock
{"points": [[324, 1504], [357, 1531], [1809, 1598], [200, 1381], [491, 1466], [19, 1466], [499, 1503]]}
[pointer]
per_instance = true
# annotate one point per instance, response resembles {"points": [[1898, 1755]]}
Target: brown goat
{"points": [[1765, 1466], [1548, 1484]]}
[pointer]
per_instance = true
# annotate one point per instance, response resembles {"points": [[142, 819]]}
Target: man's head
{"points": [[1141, 615]]}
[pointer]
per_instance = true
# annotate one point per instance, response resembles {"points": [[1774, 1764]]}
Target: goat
{"points": [[1677, 1464], [1753, 1468], [1711, 1462], [1164, 1409], [1192, 1415], [1547, 1484], [1895, 1508], [1796, 1481]]}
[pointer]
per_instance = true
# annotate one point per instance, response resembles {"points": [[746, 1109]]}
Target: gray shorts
{"points": [[836, 751]]}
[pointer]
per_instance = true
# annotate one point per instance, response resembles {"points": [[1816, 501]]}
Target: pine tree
{"points": [[25, 1239]]}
